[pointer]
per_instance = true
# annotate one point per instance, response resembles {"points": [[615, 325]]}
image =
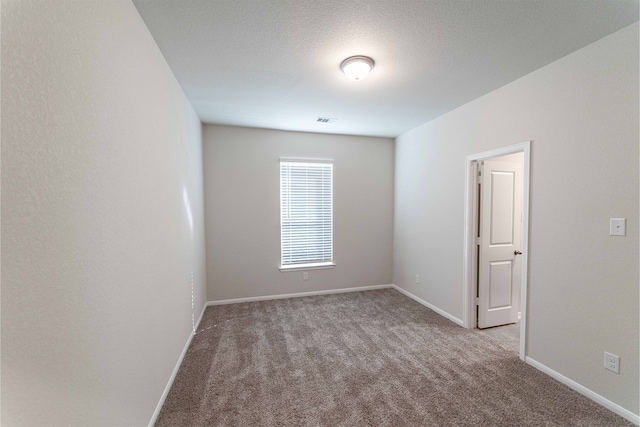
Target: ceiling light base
{"points": [[357, 67]]}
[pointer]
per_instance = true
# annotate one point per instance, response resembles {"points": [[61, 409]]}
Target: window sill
{"points": [[313, 266]]}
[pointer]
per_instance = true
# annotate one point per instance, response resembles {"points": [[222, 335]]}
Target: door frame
{"points": [[470, 232]]}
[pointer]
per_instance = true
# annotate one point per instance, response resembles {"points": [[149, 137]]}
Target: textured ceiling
{"points": [[275, 63]]}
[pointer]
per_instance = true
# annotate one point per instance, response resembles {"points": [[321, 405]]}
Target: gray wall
{"points": [[582, 114], [102, 215], [242, 211]]}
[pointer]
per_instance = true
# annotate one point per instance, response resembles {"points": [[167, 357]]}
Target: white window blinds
{"points": [[306, 213]]}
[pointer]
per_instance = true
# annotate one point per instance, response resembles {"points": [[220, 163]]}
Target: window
{"points": [[306, 213]]}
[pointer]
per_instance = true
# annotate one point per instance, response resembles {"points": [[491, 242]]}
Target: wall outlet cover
{"points": [[618, 227], [612, 362]]}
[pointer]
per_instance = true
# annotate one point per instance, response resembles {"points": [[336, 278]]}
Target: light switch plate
{"points": [[618, 227]]}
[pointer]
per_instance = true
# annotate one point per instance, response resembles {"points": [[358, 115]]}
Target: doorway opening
{"points": [[496, 240]]}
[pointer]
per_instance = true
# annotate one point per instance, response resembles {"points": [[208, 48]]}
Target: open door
{"points": [[500, 229]]}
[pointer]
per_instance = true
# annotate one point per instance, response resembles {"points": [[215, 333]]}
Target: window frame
{"points": [[310, 265]]}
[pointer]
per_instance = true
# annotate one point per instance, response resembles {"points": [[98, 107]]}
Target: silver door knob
{"points": [[517, 253]]}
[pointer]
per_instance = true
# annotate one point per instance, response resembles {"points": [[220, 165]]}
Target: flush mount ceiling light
{"points": [[357, 67]]}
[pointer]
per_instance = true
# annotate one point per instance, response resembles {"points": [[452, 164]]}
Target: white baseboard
{"points": [[204, 307], [297, 295], [624, 413], [613, 407], [430, 306], [165, 393], [235, 301]]}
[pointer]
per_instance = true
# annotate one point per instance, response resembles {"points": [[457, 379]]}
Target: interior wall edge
{"points": [[430, 306], [172, 378], [297, 295], [612, 406]]}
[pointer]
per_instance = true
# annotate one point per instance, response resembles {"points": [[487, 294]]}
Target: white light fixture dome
{"points": [[357, 67]]}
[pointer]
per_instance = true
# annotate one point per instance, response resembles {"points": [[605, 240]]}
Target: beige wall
{"points": [[102, 219], [102, 212], [242, 211], [582, 114]]}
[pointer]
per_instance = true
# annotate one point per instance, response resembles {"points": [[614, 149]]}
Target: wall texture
{"points": [[242, 210], [102, 215], [582, 114]]}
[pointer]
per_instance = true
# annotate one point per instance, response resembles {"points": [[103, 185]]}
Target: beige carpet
{"points": [[374, 358]]}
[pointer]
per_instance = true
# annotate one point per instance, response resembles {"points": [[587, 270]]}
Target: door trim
{"points": [[469, 258]]}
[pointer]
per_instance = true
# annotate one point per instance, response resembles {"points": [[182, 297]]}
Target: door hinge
{"points": [[478, 240], [479, 176], [477, 301]]}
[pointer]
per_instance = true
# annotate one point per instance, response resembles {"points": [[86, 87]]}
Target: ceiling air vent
{"points": [[325, 120]]}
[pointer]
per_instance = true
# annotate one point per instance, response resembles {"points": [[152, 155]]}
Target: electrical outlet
{"points": [[417, 278], [305, 276], [612, 362]]}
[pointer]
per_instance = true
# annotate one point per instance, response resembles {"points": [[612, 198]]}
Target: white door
{"points": [[500, 227]]}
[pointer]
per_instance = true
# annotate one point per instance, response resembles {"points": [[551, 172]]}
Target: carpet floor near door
{"points": [[373, 358]]}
